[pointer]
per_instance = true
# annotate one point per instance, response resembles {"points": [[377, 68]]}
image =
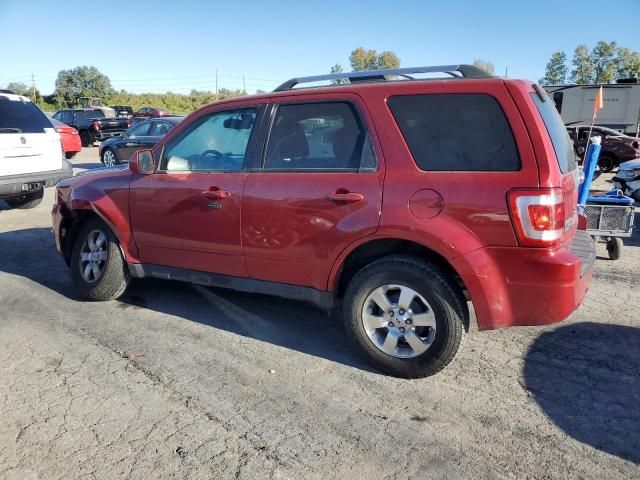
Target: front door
{"points": [[132, 140], [187, 214], [318, 189]]}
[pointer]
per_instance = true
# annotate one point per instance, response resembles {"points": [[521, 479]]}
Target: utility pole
{"points": [[244, 85], [33, 88], [506, 71], [216, 84]]}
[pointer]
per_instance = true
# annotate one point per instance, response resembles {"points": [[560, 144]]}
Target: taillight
{"points": [[96, 125], [538, 216]]}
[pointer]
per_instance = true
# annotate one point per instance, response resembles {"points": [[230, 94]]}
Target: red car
{"points": [[148, 112], [397, 200], [71, 143]]}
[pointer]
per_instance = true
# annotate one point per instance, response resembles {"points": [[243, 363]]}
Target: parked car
{"points": [[92, 124], [123, 110], [31, 154], [144, 134], [149, 112], [616, 147], [425, 193], [69, 137]]}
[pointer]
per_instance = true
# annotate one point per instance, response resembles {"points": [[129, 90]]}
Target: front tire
{"points": [[98, 269], [406, 316], [109, 158], [614, 247], [70, 155], [28, 200]]}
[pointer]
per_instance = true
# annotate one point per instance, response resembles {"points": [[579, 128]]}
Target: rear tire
{"points": [[435, 297], [85, 138], [70, 155], [98, 269], [606, 163], [28, 200]]}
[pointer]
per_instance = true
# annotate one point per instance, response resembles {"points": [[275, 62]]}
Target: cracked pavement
{"points": [[181, 381]]}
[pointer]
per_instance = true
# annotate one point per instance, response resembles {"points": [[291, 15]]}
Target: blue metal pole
{"points": [[589, 167]]}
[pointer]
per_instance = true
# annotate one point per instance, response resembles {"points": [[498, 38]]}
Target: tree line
{"points": [[88, 81], [605, 63]]}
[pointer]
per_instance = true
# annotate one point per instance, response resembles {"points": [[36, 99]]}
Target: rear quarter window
{"points": [[456, 132], [557, 132]]}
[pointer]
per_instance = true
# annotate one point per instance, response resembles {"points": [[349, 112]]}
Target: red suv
{"points": [[399, 199]]}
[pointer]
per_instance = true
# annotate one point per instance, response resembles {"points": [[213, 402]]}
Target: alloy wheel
{"points": [[93, 256], [399, 321]]}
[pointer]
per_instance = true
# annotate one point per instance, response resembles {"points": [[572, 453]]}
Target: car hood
{"points": [[102, 172], [630, 165]]}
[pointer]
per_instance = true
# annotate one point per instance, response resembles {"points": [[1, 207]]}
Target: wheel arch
{"points": [[374, 248], [83, 211]]}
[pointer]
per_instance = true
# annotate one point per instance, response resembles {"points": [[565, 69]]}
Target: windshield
{"points": [[557, 132]]}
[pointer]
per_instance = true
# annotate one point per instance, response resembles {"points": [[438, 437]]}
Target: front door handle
{"points": [[215, 194], [347, 197]]}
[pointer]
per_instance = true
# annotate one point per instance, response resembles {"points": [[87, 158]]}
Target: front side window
{"points": [[456, 132], [217, 142], [317, 136]]}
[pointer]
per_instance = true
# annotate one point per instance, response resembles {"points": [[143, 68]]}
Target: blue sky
{"points": [[158, 46]]}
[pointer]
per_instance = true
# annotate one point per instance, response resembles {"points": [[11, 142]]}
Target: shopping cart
{"points": [[610, 217]]}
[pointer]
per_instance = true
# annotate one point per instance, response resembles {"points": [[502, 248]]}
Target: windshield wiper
{"points": [[10, 130]]}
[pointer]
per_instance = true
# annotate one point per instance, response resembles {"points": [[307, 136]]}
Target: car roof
{"points": [[13, 96], [175, 119]]}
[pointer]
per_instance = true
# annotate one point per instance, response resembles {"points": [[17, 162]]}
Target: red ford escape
{"points": [[398, 198]]}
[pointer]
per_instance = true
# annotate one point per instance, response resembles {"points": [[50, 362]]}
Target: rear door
{"points": [[28, 141], [316, 189]]}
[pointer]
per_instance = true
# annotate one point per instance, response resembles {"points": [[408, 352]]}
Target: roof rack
{"points": [[457, 71]]}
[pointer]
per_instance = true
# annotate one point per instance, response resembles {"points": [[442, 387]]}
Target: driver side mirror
{"points": [[142, 162]]}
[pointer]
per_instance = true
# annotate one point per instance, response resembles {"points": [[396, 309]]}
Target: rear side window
{"points": [[318, 136], [456, 132], [19, 116], [557, 132]]}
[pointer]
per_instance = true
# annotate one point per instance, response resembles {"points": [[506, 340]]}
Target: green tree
{"points": [[556, 71], [361, 59], [337, 68], [485, 65], [19, 88], [583, 68], [628, 64], [605, 62], [81, 82]]}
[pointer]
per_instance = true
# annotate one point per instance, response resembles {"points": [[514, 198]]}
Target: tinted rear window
{"points": [[23, 116], [557, 132], [456, 132]]}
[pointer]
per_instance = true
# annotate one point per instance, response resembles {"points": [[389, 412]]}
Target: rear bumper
{"points": [[104, 135], [527, 286], [20, 184]]}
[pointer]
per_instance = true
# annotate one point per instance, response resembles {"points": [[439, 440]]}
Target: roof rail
{"points": [[464, 71]]}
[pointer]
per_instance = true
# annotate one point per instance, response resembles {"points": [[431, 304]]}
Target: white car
{"points": [[31, 155]]}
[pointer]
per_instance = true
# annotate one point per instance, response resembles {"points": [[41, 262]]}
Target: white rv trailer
{"points": [[621, 109]]}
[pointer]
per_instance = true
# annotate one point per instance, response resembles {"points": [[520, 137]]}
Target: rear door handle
{"points": [[348, 197], [215, 194]]}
